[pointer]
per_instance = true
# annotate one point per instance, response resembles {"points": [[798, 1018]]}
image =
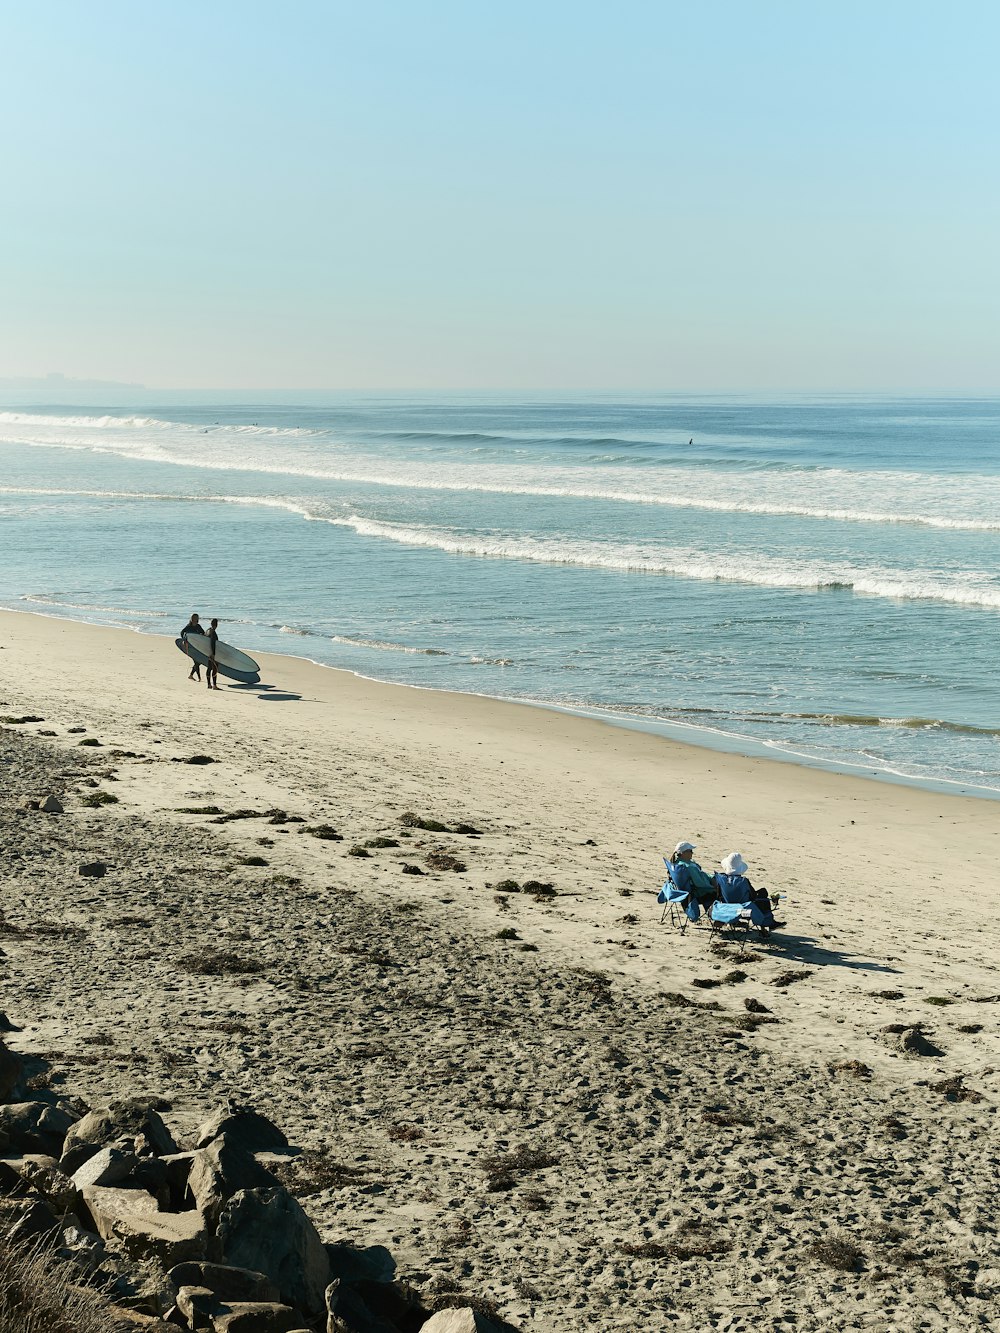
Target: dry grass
{"points": [[314, 1172], [854, 1067], [37, 1296], [95, 799], [838, 1252], [784, 979], [410, 820]]}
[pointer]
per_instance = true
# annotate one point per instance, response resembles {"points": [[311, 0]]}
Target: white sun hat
{"points": [[734, 864], [683, 847]]}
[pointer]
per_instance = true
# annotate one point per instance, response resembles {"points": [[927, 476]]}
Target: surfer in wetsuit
{"points": [[193, 627], [211, 670]]}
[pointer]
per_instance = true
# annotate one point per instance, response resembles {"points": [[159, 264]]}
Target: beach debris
{"points": [[734, 977], [971, 1027], [411, 820], [198, 810], [706, 983], [411, 870], [251, 861], [90, 740], [854, 1067], [508, 933], [503, 1168], [93, 870], [238, 814], [910, 1039], [219, 963], [784, 979], [95, 799], [30, 803], [75, 731], [327, 833], [939, 1000], [358, 851], [442, 861], [506, 886], [838, 1251], [956, 1091], [753, 1006], [196, 759], [378, 843], [19, 721], [888, 995]]}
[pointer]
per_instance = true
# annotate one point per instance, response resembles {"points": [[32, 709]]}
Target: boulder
{"points": [[227, 1284], [132, 1221], [197, 1304], [244, 1128], [460, 1321], [219, 1171], [256, 1318], [371, 1307], [93, 870], [267, 1231], [35, 1126], [83, 1248], [108, 1166], [11, 1067], [35, 1221], [130, 1120], [44, 1176], [52, 806], [374, 1263]]}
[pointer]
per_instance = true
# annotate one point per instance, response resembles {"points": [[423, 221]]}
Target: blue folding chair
{"points": [[731, 916], [673, 900]]}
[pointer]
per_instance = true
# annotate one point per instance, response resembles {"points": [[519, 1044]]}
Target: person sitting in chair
{"points": [[688, 875], [734, 887]]}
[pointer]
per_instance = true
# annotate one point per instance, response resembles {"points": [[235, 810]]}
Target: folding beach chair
{"points": [[673, 900], [734, 917]]}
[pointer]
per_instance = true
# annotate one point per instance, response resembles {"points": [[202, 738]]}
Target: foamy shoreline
{"points": [[488, 1019]]}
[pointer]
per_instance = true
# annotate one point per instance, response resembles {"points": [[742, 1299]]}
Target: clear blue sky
{"points": [[721, 194]]}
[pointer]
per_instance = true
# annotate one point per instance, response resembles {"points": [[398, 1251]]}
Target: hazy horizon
{"points": [[444, 198]]}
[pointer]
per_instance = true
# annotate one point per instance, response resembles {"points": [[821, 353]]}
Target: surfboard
{"points": [[230, 661]]}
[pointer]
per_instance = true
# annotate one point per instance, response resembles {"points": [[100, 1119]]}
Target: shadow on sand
{"points": [[271, 693], [802, 949]]}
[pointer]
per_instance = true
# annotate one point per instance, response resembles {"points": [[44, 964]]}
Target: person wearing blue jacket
{"points": [[736, 888]]}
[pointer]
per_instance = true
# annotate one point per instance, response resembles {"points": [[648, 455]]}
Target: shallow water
{"points": [[818, 577]]}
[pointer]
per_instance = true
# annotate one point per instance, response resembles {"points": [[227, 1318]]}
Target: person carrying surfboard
{"points": [[211, 669], [193, 627]]}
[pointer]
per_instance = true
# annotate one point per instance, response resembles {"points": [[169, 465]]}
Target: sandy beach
{"points": [[678, 1158]]}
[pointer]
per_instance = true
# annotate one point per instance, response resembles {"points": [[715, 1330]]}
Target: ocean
{"points": [[816, 578]]}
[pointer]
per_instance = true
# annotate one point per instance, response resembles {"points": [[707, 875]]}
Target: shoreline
{"points": [[685, 734]]}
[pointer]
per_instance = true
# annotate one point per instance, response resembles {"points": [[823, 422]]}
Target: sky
{"points": [[733, 194]]}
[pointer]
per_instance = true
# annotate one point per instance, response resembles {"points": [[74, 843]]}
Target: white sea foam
{"points": [[940, 501], [686, 563]]}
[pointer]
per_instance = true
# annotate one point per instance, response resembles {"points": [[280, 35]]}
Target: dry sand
{"points": [[695, 1161]]}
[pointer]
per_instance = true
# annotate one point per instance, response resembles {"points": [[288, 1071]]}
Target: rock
{"points": [[11, 1068], [93, 870], [35, 1221], [52, 806], [6, 1025], [133, 1222], [35, 1126], [256, 1318], [197, 1304], [11, 1181], [267, 1231], [460, 1321], [108, 1166], [83, 1248], [374, 1263], [29, 804], [244, 1128], [227, 1284], [129, 1120], [44, 1176], [219, 1170], [370, 1307]]}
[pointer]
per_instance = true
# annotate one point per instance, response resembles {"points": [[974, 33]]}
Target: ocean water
{"points": [[818, 578]]}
